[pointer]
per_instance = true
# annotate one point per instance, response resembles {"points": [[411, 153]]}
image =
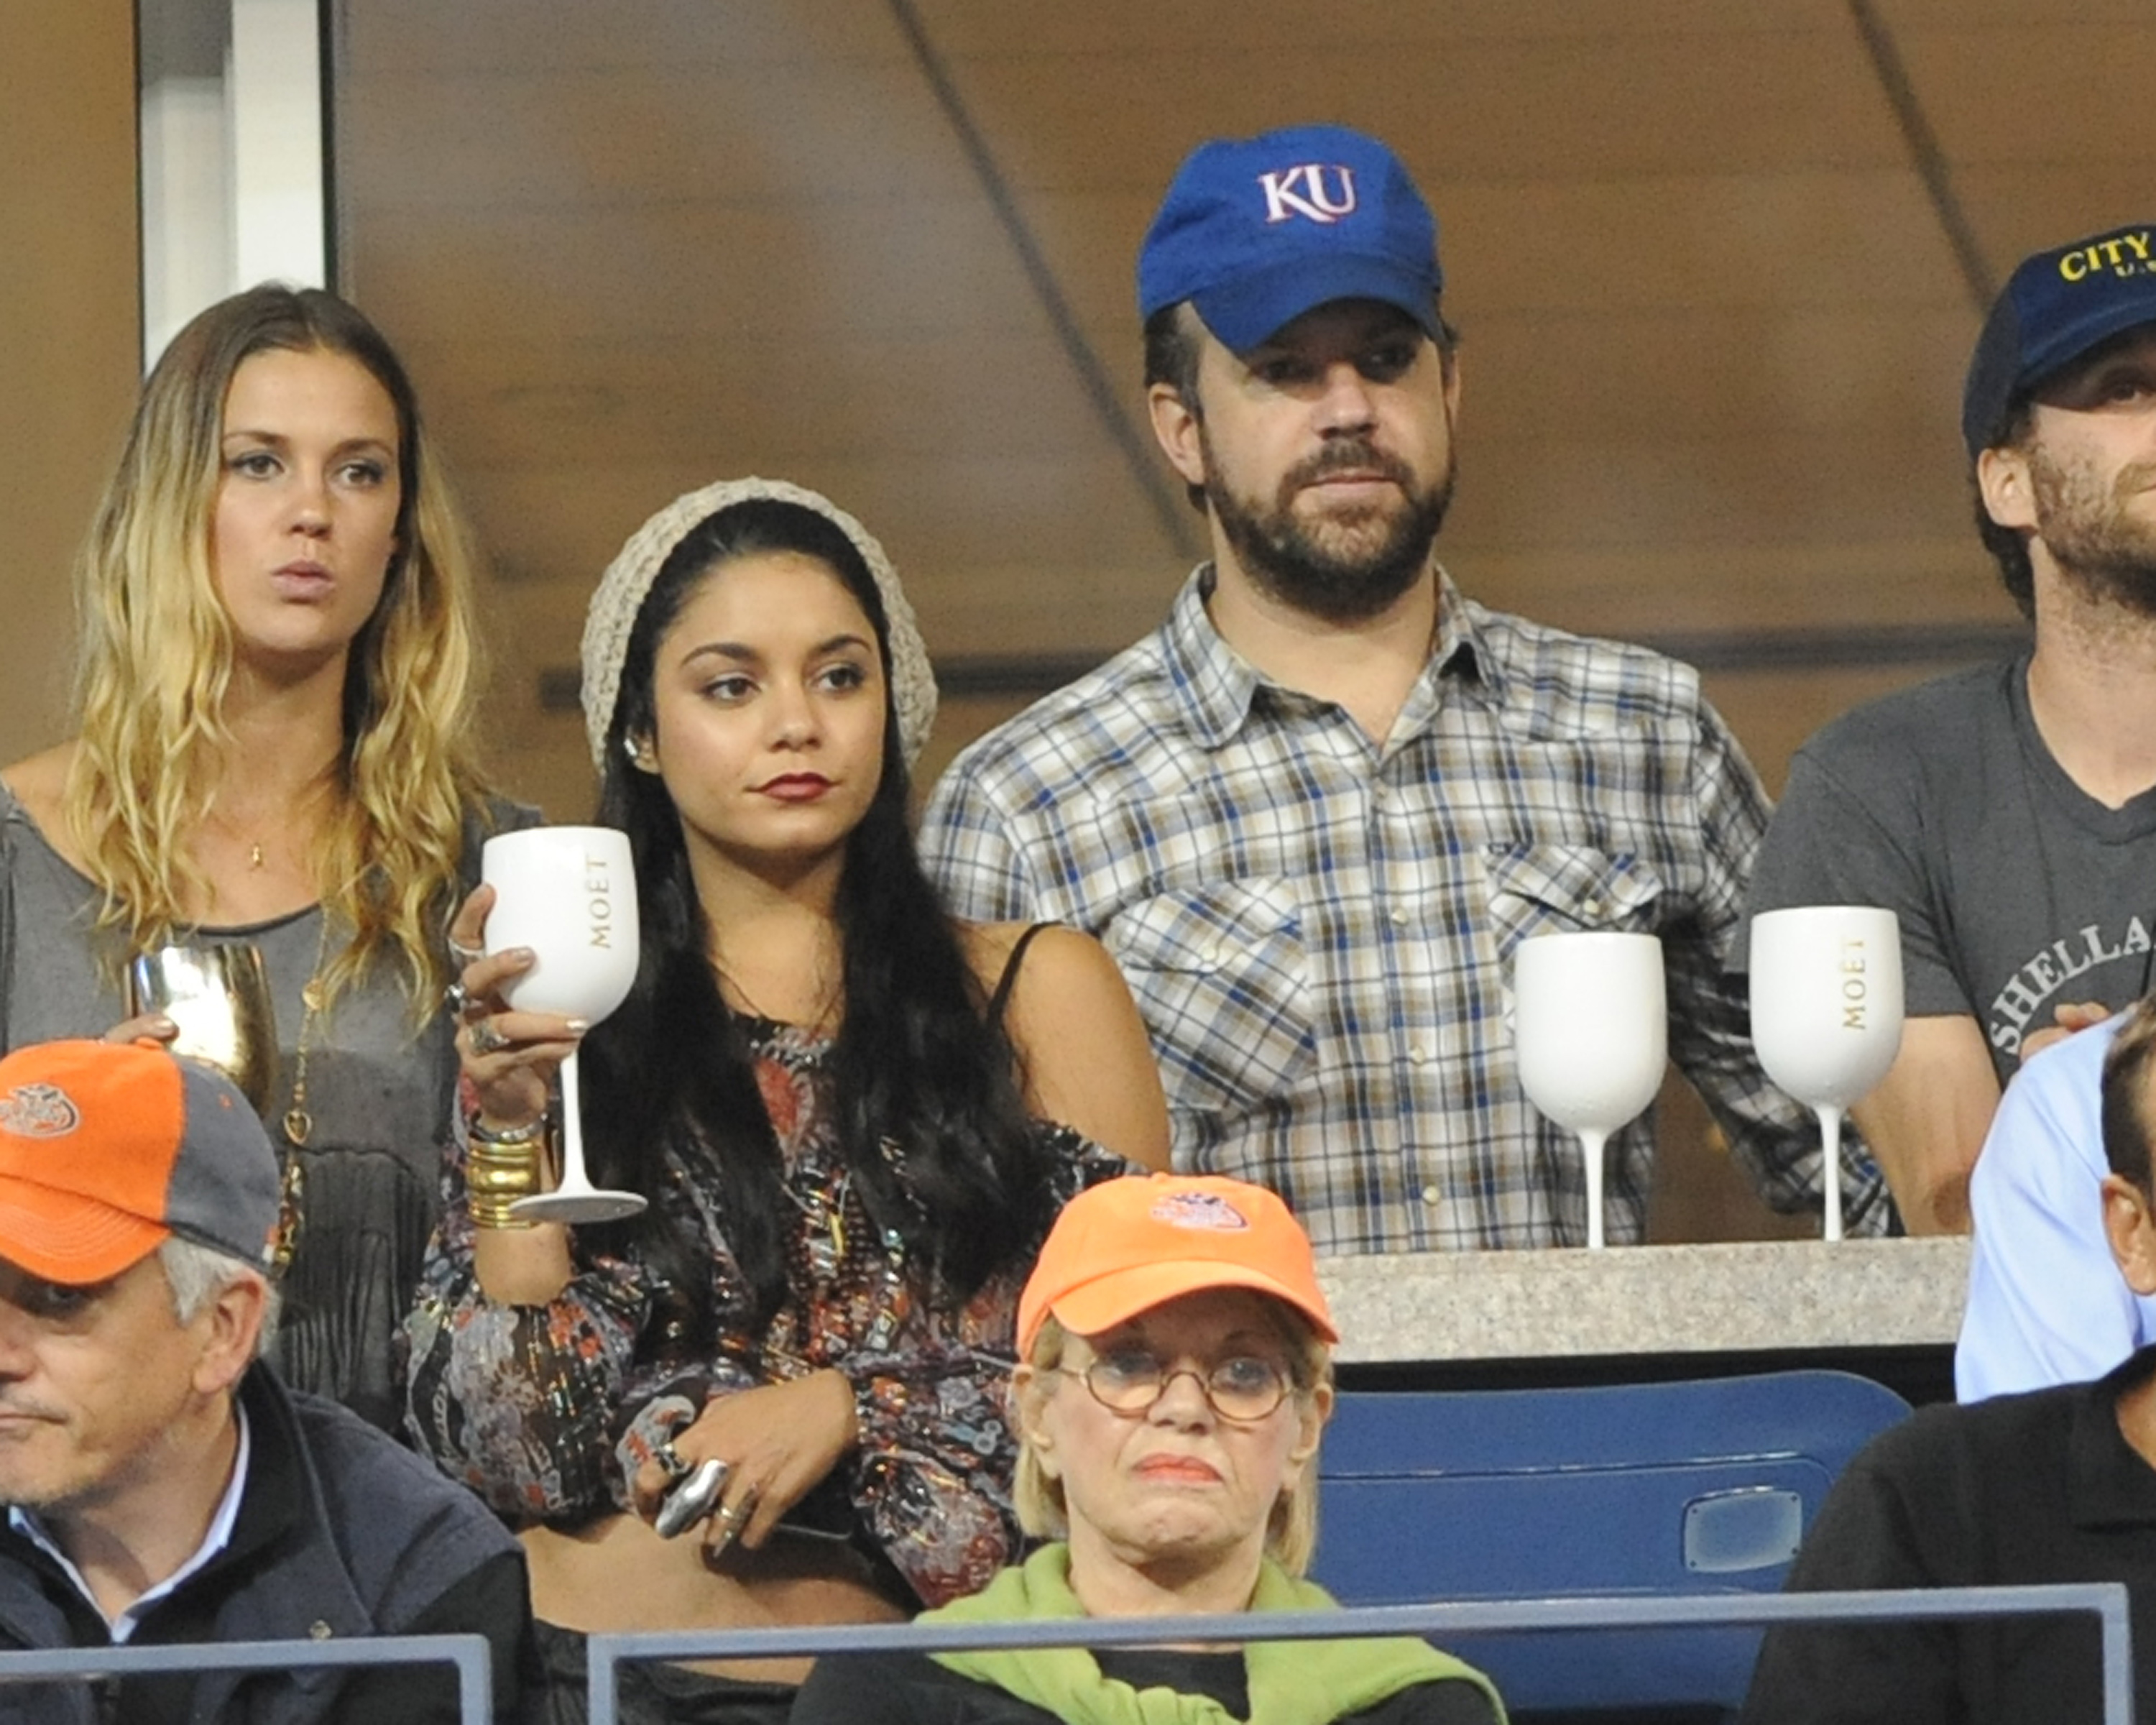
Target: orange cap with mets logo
{"points": [[107, 1150], [1125, 1245]]}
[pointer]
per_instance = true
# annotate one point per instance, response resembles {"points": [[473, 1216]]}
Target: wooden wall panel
{"points": [[70, 337]]}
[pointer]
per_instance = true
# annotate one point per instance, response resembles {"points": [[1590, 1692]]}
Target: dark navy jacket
{"points": [[340, 1532]]}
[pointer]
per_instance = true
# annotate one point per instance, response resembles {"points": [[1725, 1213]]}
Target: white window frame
{"points": [[234, 189]]}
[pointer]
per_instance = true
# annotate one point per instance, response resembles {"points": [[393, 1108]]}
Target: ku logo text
{"points": [[1314, 191]]}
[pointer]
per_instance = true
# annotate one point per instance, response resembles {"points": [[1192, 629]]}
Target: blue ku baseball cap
{"points": [[1255, 232], [2055, 307]]}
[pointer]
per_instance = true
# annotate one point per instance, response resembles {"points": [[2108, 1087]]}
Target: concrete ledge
{"points": [[1754, 1296]]}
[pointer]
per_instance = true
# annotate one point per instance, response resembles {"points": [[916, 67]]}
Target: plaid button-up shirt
{"points": [[1318, 928]]}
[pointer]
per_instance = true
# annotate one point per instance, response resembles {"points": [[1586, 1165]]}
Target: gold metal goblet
{"points": [[219, 998]]}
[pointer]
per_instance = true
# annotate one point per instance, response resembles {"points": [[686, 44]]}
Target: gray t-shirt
{"points": [[379, 1093], [2016, 890]]}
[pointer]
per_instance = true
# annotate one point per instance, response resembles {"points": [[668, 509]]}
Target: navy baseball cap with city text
{"points": [[2055, 306], [1254, 232]]}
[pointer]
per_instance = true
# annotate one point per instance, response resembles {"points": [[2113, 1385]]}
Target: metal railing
{"points": [[472, 1654], [2105, 1599]]}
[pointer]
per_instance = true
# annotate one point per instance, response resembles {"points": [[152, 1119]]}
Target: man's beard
{"points": [[1349, 565], [2101, 545]]}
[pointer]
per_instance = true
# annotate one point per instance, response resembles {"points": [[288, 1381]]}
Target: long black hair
{"points": [[915, 1066]]}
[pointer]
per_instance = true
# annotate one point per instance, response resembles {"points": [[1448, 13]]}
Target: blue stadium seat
{"points": [[1700, 1486]]}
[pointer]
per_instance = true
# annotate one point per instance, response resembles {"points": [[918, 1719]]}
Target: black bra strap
{"points": [[1008, 979]]}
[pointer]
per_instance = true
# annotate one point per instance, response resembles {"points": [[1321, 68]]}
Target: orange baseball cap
{"points": [[1124, 1246], [107, 1150]]}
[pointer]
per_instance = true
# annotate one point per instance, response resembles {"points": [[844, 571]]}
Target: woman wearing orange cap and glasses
{"points": [[1176, 1373]]}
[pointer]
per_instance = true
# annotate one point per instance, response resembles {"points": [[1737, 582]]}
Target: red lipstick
{"points": [[795, 787]]}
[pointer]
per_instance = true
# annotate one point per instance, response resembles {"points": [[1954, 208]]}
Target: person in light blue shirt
{"points": [[2046, 1304]]}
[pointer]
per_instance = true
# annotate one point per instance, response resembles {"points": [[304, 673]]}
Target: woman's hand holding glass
{"points": [[147, 1026], [778, 1441], [510, 1056]]}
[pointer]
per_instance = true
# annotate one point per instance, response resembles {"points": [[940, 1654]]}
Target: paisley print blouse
{"points": [[548, 1411]]}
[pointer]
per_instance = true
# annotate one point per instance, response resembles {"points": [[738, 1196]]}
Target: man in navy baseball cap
{"points": [[2007, 814], [1314, 812], [2057, 306]]}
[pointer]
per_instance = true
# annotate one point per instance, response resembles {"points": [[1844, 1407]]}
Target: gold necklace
{"points": [[298, 1124]]}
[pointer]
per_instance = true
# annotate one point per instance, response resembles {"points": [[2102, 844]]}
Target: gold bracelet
{"points": [[496, 1176]]}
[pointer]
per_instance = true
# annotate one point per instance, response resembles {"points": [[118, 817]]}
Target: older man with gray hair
{"points": [[159, 1484]]}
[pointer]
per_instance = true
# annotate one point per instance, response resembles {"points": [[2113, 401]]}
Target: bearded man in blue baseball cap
{"points": [[1314, 813]]}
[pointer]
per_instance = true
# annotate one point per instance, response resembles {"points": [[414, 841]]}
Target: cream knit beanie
{"points": [[627, 580]]}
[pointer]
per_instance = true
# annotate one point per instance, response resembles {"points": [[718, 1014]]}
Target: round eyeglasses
{"points": [[1130, 1380]]}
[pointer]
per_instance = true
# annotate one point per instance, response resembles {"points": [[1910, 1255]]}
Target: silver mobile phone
{"points": [[696, 1497]]}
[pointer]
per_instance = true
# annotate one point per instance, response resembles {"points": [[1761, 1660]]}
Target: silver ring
{"points": [[670, 1459], [465, 956], [457, 998], [485, 1037]]}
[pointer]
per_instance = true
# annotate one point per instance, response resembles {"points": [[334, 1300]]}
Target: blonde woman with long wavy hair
{"points": [[272, 700]]}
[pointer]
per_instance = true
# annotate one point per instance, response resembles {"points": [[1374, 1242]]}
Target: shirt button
{"points": [[1417, 1053], [319, 1630], [1376, 793], [1431, 1196], [1399, 919], [1592, 907]]}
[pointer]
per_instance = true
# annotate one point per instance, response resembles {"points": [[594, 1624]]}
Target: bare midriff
{"points": [[616, 1575]]}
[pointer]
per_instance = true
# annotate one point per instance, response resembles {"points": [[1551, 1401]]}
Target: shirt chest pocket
{"points": [[1561, 889], [1220, 974]]}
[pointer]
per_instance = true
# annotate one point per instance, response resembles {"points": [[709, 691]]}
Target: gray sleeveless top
{"points": [[380, 1095]]}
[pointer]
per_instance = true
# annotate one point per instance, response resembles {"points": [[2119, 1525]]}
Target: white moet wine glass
{"points": [[1826, 1013], [1591, 1032], [569, 894]]}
